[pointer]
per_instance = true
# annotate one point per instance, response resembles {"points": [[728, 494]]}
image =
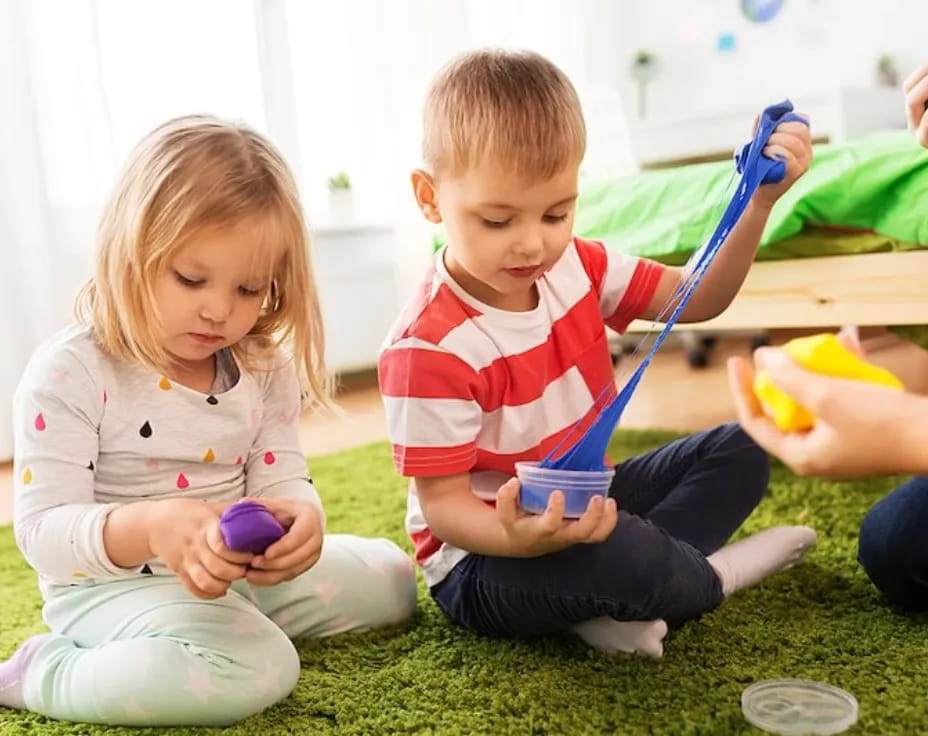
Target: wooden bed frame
{"points": [[865, 289]]}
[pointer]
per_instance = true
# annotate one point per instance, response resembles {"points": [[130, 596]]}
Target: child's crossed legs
{"points": [[679, 504], [144, 651]]}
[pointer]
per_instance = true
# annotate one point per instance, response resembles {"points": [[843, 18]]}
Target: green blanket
{"points": [[877, 184]]}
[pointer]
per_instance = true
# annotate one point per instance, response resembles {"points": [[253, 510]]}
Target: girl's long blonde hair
{"points": [[192, 173]]}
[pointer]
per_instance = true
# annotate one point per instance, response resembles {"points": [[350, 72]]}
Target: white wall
{"points": [[811, 48]]}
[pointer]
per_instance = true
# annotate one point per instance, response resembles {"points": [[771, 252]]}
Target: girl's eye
{"points": [[495, 223], [555, 218], [245, 291], [184, 280]]}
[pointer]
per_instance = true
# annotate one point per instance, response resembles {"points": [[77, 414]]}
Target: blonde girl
{"points": [[176, 394]]}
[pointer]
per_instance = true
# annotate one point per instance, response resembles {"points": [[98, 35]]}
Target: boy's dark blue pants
{"points": [[677, 504]]}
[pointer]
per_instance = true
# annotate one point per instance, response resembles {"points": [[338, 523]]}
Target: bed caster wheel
{"points": [[697, 357], [698, 349], [759, 341], [621, 350]]}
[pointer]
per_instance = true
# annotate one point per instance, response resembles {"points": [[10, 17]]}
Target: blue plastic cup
{"points": [[578, 487]]}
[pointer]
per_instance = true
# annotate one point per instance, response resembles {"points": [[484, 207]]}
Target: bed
{"points": [[847, 244]]}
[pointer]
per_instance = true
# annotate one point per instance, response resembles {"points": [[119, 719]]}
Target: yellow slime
{"points": [[823, 354]]}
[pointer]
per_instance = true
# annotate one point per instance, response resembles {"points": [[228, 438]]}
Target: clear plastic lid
{"points": [[799, 707]]}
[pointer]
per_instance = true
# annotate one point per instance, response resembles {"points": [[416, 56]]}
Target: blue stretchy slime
{"points": [[589, 451]]}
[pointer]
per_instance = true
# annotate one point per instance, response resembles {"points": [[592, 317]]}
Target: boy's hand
{"points": [[295, 552], [916, 97], [792, 142], [185, 535], [533, 535]]}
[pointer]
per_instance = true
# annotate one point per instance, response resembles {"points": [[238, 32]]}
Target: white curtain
{"points": [[81, 81], [337, 85], [41, 219]]}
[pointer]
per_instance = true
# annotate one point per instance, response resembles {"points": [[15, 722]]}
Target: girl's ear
{"points": [[272, 300]]}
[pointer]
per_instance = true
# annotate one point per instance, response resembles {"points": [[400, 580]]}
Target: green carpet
{"points": [[822, 621]]}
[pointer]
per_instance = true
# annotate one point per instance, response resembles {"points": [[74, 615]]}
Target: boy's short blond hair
{"points": [[187, 175], [513, 107]]}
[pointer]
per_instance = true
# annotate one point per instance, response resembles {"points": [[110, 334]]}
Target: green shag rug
{"points": [[822, 621]]}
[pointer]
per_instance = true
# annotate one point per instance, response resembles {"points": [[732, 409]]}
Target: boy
{"points": [[504, 350]]}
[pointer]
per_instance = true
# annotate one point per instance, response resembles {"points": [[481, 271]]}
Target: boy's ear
{"points": [[423, 186]]}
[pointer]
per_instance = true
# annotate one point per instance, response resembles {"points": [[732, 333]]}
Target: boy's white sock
{"points": [[746, 562], [13, 669], [634, 637]]}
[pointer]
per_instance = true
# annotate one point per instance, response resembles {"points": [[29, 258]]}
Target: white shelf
{"points": [[842, 115], [355, 272], [324, 228]]}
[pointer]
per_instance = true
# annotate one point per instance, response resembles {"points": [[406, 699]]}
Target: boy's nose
{"points": [[531, 245]]}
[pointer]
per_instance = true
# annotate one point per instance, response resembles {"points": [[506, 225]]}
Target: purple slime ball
{"points": [[247, 526]]}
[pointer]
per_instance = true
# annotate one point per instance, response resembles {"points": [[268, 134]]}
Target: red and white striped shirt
{"points": [[471, 388]]}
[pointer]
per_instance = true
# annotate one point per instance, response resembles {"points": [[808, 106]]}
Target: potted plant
{"points": [[645, 68], [886, 73], [341, 198]]}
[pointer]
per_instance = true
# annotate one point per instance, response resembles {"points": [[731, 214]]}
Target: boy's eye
{"points": [[495, 223], [185, 280], [555, 218]]}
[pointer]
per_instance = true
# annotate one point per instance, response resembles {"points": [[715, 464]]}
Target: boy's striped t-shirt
{"points": [[471, 388]]}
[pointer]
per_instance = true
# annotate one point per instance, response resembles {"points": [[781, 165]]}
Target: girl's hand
{"points": [[184, 534], [295, 552], [916, 97], [532, 535]]}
